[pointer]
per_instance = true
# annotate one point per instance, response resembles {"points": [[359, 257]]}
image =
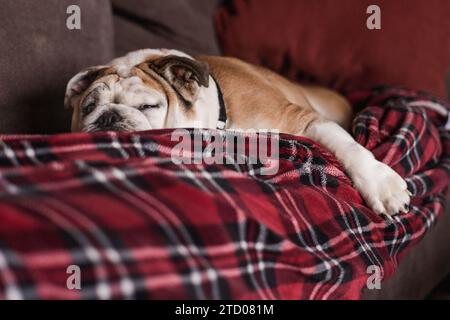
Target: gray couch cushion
{"points": [[39, 54], [185, 25]]}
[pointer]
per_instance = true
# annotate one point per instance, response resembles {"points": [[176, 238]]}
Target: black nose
{"points": [[108, 118]]}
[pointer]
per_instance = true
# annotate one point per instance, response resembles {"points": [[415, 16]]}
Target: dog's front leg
{"points": [[381, 187]]}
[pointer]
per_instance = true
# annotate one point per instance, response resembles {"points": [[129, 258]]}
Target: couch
{"points": [[39, 55]]}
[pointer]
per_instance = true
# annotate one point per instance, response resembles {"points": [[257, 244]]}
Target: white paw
{"points": [[384, 191]]}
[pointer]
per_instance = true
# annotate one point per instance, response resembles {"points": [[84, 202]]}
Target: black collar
{"points": [[222, 122]]}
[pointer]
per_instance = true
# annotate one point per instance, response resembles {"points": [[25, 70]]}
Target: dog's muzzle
{"points": [[109, 120]]}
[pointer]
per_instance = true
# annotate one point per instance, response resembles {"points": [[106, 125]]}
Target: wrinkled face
{"points": [[122, 104], [135, 93]]}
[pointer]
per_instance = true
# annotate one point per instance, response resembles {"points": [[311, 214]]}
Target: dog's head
{"points": [[146, 89]]}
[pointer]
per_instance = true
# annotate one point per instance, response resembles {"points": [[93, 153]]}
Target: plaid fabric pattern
{"points": [[140, 226]]}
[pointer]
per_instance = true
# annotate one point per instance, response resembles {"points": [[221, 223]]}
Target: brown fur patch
{"points": [[149, 76], [257, 98]]}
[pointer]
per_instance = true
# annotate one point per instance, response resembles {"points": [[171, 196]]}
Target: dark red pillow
{"points": [[327, 41]]}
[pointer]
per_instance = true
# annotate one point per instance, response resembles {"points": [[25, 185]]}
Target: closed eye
{"points": [[144, 107], [88, 108]]}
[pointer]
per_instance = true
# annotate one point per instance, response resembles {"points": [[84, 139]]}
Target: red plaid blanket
{"points": [[137, 225]]}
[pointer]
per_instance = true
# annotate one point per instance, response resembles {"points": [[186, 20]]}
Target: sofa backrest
{"points": [[39, 54], [186, 25]]}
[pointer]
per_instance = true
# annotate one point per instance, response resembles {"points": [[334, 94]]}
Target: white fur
{"points": [[127, 92], [381, 187], [123, 96], [124, 64], [207, 105]]}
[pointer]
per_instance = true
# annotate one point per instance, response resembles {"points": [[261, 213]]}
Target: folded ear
{"points": [[80, 82], [183, 74]]}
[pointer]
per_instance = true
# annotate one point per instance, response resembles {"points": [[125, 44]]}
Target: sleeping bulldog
{"points": [[155, 89]]}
